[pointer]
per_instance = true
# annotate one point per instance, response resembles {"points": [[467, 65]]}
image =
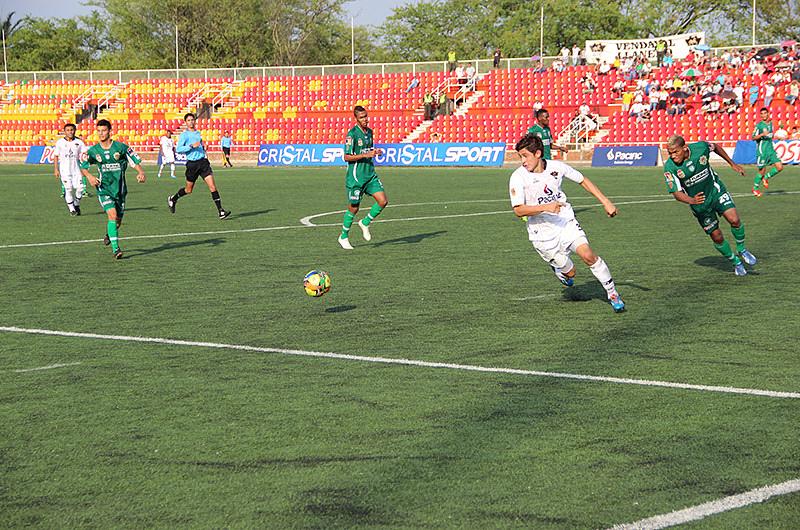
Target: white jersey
{"points": [[69, 155], [167, 147], [535, 189]]}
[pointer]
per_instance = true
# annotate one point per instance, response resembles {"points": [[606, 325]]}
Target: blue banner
{"points": [[40, 154], [435, 154], [625, 155], [180, 159], [788, 151]]}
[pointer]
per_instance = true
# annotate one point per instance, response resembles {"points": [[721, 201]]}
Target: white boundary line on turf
{"points": [[48, 367], [407, 362], [321, 225], [695, 513]]}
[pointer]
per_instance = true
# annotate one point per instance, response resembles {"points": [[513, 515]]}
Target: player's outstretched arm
{"points": [[715, 148], [590, 186], [526, 210]]}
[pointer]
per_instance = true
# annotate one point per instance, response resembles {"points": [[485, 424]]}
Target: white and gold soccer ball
{"points": [[316, 283]]}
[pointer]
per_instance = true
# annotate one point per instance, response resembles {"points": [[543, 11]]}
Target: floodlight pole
{"points": [[541, 34], [5, 59], [754, 22], [352, 45], [177, 66]]}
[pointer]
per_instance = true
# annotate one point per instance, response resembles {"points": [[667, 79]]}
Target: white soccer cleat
{"points": [[365, 231], [345, 243]]}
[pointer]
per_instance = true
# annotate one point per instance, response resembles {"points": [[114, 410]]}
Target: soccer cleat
{"points": [[739, 269], [345, 243], [171, 204], [616, 303], [172, 176], [224, 214], [765, 183], [365, 231], [748, 258], [565, 281], [106, 240], [757, 192], [118, 254], [73, 213], [77, 210]]}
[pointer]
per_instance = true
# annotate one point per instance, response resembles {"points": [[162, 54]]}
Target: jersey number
{"points": [[725, 197]]}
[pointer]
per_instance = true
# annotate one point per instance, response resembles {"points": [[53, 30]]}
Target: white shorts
{"points": [[167, 159], [73, 181], [556, 251]]}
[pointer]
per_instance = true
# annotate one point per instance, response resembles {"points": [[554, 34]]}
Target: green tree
{"points": [[8, 26], [49, 44]]}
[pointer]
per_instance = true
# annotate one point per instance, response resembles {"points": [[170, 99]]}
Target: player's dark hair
{"points": [[104, 123], [70, 126], [186, 116], [357, 109], [541, 112], [530, 142], [763, 109]]}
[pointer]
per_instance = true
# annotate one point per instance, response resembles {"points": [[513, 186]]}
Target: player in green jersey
{"points": [[765, 153], [359, 153], [111, 158], [542, 129], [690, 179]]}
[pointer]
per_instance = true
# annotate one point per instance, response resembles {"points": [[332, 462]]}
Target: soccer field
{"points": [[194, 384]]}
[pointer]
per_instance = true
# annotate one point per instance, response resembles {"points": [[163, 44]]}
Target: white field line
{"points": [[49, 367], [695, 513], [408, 362], [306, 223]]}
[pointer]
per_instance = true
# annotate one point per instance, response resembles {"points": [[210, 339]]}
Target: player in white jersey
{"points": [[66, 158], [167, 153], [535, 190]]}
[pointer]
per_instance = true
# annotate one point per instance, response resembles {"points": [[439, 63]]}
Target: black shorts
{"points": [[226, 151], [198, 168]]}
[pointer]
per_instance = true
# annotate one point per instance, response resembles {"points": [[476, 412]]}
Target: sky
{"points": [[365, 12]]}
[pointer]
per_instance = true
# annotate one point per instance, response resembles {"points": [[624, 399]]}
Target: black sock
{"points": [[217, 200], [181, 193]]}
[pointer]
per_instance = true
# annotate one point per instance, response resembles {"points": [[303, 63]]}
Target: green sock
{"points": [[738, 235], [757, 181], [347, 222], [725, 249], [373, 213], [771, 173], [113, 235]]}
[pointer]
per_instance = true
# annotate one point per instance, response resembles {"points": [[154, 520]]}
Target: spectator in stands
{"points": [[792, 93], [445, 104], [576, 55], [653, 99], [414, 84], [677, 83], [627, 99], [451, 61], [436, 138], [753, 91], [461, 75], [538, 67], [496, 58], [661, 49], [795, 134], [604, 68], [589, 83], [769, 93], [667, 60], [618, 88], [470, 72], [636, 110], [678, 106], [644, 116], [565, 55], [735, 60], [739, 91], [427, 101], [558, 65], [663, 96], [781, 133], [582, 57]]}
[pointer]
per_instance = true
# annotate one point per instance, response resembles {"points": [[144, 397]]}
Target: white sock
{"points": [[161, 168], [172, 170], [68, 198], [603, 275]]}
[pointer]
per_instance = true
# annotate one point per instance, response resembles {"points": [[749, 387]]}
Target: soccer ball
{"points": [[316, 283]]}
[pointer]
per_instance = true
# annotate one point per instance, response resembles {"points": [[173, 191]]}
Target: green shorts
{"points": [[708, 216], [356, 190], [109, 201], [767, 159]]}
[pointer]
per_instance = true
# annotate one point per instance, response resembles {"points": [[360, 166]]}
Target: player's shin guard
{"points": [[181, 193], [757, 181], [217, 200], [738, 236], [373, 213], [724, 248], [113, 235], [347, 222], [603, 275], [771, 173]]}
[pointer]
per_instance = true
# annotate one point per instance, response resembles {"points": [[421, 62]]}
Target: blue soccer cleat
{"points": [[565, 281], [616, 303], [739, 269], [748, 258]]}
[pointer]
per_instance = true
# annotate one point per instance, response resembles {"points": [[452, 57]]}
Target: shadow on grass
{"points": [[173, 246], [586, 292], [254, 213], [417, 238], [340, 308], [139, 209]]}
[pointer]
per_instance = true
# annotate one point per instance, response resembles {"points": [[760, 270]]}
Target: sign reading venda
{"points": [[40, 154], [472, 154], [625, 155]]}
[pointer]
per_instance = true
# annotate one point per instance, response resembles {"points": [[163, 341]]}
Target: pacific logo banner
{"points": [[408, 155], [625, 155], [40, 154]]}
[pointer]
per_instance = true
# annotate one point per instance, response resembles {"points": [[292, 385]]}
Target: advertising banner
{"points": [[625, 155], [598, 51], [180, 158], [40, 154], [788, 151], [410, 155]]}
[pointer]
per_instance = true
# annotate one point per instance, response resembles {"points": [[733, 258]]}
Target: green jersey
{"points": [[359, 141], [112, 164], [764, 146], [695, 175], [547, 139]]}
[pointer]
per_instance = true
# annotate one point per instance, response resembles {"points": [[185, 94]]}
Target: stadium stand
{"points": [[318, 109]]}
